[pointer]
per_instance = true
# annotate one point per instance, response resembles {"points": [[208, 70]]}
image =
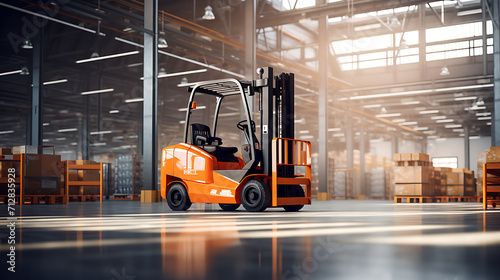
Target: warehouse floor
{"points": [[328, 240]]}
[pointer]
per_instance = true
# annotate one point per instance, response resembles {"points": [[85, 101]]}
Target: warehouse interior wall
{"points": [[381, 149], [454, 147]]}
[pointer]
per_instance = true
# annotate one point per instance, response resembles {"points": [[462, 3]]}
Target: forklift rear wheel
{"points": [[177, 198], [229, 207], [295, 191], [255, 196]]}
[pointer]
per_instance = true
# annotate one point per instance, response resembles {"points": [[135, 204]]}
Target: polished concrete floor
{"points": [[327, 240]]}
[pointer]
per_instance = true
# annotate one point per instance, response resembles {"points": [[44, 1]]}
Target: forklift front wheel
{"points": [[229, 207], [255, 196], [177, 198]]}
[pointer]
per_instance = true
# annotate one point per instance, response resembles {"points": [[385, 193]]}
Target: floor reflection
{"points": [[194, 250], [330, 240]]}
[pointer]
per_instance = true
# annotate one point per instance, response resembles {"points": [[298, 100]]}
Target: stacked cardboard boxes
{"points": [[442, 180], [412, 175], [460, 182], [481, 159]]}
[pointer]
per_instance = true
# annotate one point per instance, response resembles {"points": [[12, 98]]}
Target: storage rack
{"points": [[23, 178], [19, 180], [69, 183], [491, 185]]}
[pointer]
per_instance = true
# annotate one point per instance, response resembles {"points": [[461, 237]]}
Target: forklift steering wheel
{"points": [[242, 124]]}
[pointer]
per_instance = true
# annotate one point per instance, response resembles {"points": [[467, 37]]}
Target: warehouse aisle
{"points": [[328, 240]]}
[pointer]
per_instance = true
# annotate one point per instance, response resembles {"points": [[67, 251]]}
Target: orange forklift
{"points": [[202, 170]]}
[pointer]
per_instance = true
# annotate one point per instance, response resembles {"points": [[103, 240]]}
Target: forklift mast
{"points": [[277, 115]]}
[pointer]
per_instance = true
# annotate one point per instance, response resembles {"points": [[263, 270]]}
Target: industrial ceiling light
{"points": [[27, 44], [184, 80], [162, 43], [480, 102], [372, 106], [95, 56], [465, 98], [394, 22], [25, 71], [97, 91], [162, 72], [67, 130], [10, 73], [55, 82], [334, 129], [209, 14], [132, 100], [7, 132], [428, 112], [383, 110], [388, 115], [469, 12], [444, 71]]}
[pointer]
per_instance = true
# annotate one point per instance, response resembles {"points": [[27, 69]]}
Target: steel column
{"points": [[394, 144], [421, 41], [85, 128], [362, 151], [250, 66], [37, 91], [484, 39], [349, 142], [323, 101], [466, 146], [150, 95], [495, 127]]}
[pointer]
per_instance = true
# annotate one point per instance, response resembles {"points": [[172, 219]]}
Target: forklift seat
{"points": [[202, 139]]}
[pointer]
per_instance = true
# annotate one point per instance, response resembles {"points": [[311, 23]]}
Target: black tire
{"points": [[229, 207], [255, 196], [178, 198], [295, 191]]}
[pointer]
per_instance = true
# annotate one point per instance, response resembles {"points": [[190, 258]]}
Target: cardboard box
{"points": [[412, 174], [27, 149], [396, 157], [460, 190], [493, 154], [154, 196], [43, 165], [5, 151], [419, 157], [42, 187], [406, 157], [455, 190], [460, 176], [413, 189]]}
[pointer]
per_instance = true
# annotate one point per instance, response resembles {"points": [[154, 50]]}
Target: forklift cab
{"points": [[205, 138]]}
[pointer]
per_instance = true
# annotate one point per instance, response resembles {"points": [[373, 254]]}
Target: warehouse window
{"points": [[375, 51], [450, 162]]}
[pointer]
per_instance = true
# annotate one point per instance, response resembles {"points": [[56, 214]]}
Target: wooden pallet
{"points": [[83, 198], [413, 163], [428, 199], [455, 198], [126, 196], [35, 199], [413, 199]]}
